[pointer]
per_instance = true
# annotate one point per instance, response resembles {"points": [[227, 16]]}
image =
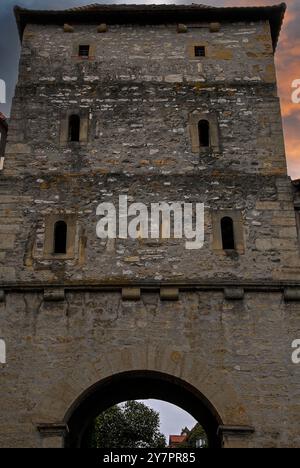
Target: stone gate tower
{"points": [[162, 104]]}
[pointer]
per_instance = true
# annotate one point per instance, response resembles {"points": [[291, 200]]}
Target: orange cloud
{"points": [[288, 69]]}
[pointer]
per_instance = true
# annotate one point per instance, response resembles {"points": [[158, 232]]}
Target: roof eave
{"points": [[145, 13]]}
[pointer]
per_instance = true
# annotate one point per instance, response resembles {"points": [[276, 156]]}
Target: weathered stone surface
{"points": [[214, 27], [292, 294], [102, 28], [54, 294], [169, 294], [67, 28], [136, 94], [131, 294], [232, 293], [182, 28]]}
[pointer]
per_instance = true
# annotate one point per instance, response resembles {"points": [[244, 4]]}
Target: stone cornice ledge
{"points": [[52, 429], [188, 285]]}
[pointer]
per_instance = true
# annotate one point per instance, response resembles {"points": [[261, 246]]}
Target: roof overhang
{"points": [[153, 14]]}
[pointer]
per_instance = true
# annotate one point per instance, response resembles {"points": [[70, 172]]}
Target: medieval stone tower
{"points": [[162, 104]]}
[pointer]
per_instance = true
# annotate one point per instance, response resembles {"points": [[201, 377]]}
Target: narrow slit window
{"points": [[199, 51], [84, 51], [74, 128], [203, 130], [227, 230], [60, 237]]}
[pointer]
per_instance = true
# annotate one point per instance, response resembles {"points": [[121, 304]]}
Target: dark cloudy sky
{"points": [[287, 58]]}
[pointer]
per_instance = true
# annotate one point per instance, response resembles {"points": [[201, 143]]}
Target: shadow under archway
{"points": [[139, 385]]}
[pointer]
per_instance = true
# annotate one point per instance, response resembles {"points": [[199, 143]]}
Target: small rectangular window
{"points": [[199, 51], [84, 51]]}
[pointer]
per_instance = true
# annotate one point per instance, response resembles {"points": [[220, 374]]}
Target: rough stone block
{"points": [[214, 27], [182, 28], [264, 244], [292, 294], [174, 78], [7, 241], [18, 148], [131, 294], [268, 205], [232, 293], [102, 28], [169, 294], [68, 28]]}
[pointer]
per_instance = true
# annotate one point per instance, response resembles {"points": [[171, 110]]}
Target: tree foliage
{"points": [[130, 425]]}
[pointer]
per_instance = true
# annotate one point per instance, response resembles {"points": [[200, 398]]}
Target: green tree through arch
{"points": [[129, 425]]}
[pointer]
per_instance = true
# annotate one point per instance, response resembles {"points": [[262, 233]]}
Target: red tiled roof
{"points": [[176, 439], [153, 14]]}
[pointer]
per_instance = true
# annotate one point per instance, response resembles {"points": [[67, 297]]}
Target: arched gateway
{"points": [[140, 372], [140, 385]]}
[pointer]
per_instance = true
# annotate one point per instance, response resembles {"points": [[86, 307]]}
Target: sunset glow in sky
{"points": [[288, 69], [287, 56]]}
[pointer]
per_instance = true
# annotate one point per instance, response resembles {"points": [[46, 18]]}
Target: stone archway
{"points": [[85, 386], [135, 385]]}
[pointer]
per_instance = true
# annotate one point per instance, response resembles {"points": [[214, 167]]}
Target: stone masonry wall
{"points": [[137, 94], [138, 90], [236, 353], [139, 144], [268, 226]]}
